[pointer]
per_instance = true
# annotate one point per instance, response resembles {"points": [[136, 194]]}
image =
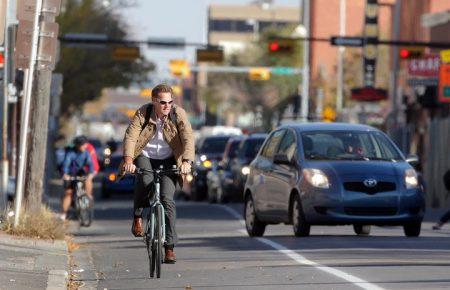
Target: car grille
{"points": [[381, 186], [370, 211]]}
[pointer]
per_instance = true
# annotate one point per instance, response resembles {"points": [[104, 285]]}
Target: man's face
{"points": [[163, 104], [82, 148]]}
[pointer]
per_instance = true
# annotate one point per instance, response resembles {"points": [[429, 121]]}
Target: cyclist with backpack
{"points": [[159, 134], [76, 162]]}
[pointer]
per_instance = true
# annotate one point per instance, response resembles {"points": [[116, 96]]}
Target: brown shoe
{"points": [[170, 256], [136, 228]]}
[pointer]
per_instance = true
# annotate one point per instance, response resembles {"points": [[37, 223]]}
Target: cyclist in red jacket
{"points": [[89, 184]]}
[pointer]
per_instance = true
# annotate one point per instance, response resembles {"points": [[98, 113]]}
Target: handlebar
{"points": [[157, 171], [77, 178]]}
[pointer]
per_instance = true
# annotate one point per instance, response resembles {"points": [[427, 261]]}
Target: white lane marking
{"points": [[302, 260], [233, 212]]}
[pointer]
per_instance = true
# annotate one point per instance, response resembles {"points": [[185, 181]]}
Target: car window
{"points": [[272, 143], [214, 145], [288, 145], [348, 145], [250, 147]]}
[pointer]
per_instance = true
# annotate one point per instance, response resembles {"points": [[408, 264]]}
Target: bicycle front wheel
{"points": [[84, 211], [159, 241]]}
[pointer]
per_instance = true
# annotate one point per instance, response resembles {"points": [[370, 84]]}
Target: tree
{"points": [[87, 71]]}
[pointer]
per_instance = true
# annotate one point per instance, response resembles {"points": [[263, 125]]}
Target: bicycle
{"points": [[83, 204], [155, 229]]}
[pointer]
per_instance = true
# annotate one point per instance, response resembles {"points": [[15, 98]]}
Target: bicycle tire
{"points": [[150, 247], [158, 241], [85, 212]]}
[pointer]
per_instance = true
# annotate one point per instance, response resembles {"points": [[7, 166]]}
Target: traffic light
{"points": [[259, 74], [2, 60], [282, 46], [179, 68], [411, 52], [329, 114]]}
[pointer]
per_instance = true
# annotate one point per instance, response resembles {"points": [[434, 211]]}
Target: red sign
{"points": [[2, 59], [369, 94], [444, 83], [424, 67]]}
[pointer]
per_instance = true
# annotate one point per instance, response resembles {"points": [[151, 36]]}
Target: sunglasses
{"points": [[166, 103]]}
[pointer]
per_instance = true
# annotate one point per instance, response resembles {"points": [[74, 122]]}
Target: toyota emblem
{"points": [[370, 182]]}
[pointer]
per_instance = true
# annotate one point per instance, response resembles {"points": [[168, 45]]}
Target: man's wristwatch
{"points": [[188, 161]]}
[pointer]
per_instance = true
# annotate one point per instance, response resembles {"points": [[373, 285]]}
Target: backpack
{"points": [[172, 116]]}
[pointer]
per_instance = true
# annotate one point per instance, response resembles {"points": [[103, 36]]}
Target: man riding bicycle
{"points": [[77, 162], [159, 134]]}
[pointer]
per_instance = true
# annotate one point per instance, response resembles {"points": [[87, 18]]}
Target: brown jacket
{"points": [[181, 143]]}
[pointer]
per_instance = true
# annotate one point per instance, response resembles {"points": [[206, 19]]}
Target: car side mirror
{"points": [[281, 159], [412, 159]]}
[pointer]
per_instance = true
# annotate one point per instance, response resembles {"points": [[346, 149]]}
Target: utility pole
{"points": [[8, 89], [305, 74], [341, 51], [395, 62]]}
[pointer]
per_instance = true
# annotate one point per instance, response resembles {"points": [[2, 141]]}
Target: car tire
{"points": [[412, 229], [300, 226], [212, 195], [255, 227], [105, 192], [362, 230]]}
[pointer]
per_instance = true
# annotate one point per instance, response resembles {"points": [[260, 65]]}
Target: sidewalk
{"points": [[32, 264]]}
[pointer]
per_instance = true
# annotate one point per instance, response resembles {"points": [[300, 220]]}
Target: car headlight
{"points": [[207, 163], [245, 170], [411, 180], [189, 178], [203, 158], [316, 178], [107, 152]]}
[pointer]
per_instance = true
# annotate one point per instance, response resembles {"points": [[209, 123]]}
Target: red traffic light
{"points": [[2, 59], [274, 46], [411, 52]]}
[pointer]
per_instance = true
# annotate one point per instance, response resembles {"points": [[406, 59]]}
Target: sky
{"points": [[174, 18]]}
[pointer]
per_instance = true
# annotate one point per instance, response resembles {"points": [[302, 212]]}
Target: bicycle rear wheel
{"points": [[158, 241], [84, 211]]}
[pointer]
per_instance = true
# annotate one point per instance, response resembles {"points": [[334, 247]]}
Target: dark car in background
{"points": [[110, 184], [208, 150], [248, 149], [332, 174], [220, 175]]}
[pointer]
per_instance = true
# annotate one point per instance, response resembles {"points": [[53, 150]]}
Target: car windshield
{"points": [[250, 148], [214, 145], [348, 145]]}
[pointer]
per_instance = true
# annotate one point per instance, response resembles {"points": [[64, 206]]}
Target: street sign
{"points": [[444, 83], [128, 53], [46, 56], [209, 55], [368, 94], [445, 55], [284, 70], [179, 68], [427, 66], [347, 41]]}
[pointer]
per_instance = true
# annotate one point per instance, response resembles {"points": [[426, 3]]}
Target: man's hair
{"points": [[161, 88]]}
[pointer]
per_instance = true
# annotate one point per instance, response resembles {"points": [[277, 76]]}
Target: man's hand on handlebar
{"points": [[129, 167], [185, 168]]}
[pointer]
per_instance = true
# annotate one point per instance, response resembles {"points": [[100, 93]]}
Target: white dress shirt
{"points": [[157, 147]]}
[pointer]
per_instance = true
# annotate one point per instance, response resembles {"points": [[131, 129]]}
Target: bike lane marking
{"points": [[302, 260]]}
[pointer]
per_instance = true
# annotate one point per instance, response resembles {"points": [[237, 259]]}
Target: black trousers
{"points": [[144, 191]]}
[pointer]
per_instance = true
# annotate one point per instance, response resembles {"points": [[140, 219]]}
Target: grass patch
{"points": [[41, 225]]}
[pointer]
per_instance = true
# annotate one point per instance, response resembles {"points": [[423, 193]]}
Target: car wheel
{"points": [[221, 195], [300, 226], [362, 230], [105, 192], [412, 229], [255, 227], [212, 195]]}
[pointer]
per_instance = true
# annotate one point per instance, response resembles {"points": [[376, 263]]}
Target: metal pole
{"points": [[395, 63], [341, 50], [29, 74], [305, 75]]}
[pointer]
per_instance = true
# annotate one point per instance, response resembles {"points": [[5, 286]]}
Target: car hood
{"points": [[361, 167]]}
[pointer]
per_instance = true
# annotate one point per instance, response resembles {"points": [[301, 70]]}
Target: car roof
{"points": [[256, 136], [305, 127]]}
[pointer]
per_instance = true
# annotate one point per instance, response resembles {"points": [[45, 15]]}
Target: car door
{"points": [[283, 176], [262, 169]]}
